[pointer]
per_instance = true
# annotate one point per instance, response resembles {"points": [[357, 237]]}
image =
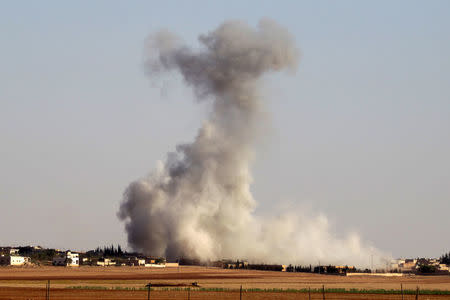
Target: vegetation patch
{"points": [[87, 287]]}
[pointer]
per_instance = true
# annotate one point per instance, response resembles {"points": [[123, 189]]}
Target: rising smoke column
{"points": [[198, 203]]}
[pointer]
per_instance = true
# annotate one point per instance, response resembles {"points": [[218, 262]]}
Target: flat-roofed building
{"points": [[104, 262], [68, 259], [14, 260]]}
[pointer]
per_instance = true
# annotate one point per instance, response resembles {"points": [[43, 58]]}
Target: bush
{"points": [[427, 269]]}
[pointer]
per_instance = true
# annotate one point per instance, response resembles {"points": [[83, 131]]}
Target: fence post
{"points": [[401, 287], [149, 286], [309, 293], [417, 293], [323, 292], [240, 293], [48, 289], [189, 293]]}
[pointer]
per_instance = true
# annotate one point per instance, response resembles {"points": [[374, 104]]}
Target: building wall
{"points": [[106, 262], [62, 260], [155, 266], [59, 261], [172, 264], [13, 260], [75, 257], [263, 267], [17, 260]]}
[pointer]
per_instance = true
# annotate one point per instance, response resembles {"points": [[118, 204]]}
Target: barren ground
{"points": [[29, 283]]}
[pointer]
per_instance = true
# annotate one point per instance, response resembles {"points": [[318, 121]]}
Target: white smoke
{"points": [[198, 203]]}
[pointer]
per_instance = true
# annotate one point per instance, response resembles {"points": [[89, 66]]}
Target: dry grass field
{"points": [[171, 283]]}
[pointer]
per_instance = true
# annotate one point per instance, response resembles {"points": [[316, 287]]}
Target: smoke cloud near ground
{"points": [[198, 203]]}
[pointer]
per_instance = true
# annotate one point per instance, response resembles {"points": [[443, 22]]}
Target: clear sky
{"points": [[361, 133]]}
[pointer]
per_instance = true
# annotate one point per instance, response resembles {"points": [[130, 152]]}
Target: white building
{"points": [[16, 260], [13, 260], [74, 258], [443, 267], [135, 261], [155, 265], [172, 264], [68, 259], [105, 262]]}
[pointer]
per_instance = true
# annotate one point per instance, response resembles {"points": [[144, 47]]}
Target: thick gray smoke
{"points": [[198, 203]]}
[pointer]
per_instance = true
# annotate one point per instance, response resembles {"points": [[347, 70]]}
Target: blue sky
{"points": [[359, 133]]}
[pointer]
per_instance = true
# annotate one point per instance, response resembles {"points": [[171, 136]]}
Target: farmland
{"points": [[210, 283]]}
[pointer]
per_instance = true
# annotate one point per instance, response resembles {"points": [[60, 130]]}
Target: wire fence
{"points": [[148, 292]]}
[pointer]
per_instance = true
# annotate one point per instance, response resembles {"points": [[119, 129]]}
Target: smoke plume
{"points": [[198, 203]]}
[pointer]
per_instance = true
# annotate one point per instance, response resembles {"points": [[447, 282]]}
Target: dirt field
{"points": [[17, 293], [111, 282]]}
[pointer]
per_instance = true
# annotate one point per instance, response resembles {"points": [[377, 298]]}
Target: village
{"points": [[115, 256], [108, 256]]}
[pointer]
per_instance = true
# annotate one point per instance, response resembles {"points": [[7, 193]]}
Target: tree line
{"points": [[445, 258], [109, 251]]}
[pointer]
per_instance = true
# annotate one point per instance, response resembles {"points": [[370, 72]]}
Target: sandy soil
{"points": [[29, 283], [35, 293]]}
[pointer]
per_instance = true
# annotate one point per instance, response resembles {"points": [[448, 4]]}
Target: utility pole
{"points": [[149, 286]]}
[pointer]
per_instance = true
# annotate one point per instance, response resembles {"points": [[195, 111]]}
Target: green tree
{"points": [[445, 259], [68, 261], [427, 269]]}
